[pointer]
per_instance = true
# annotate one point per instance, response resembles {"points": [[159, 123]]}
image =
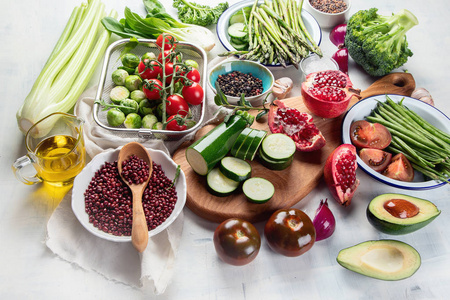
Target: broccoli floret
{"points": [[378, 43]]}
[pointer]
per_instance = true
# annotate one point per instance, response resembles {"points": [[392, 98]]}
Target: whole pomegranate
{"points": [[340, 173], [327, 93], [299, 126]]}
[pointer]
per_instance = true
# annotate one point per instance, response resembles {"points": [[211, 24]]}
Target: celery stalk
{"points": [[69, 67]]}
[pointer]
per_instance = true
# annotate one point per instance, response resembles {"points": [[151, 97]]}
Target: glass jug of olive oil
{"points": [[55, 148]]}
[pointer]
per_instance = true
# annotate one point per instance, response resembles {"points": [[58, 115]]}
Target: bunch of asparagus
{"points": [[277, 34]]}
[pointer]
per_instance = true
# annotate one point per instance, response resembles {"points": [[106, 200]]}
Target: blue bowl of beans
{"points": [[236, 77], [101, 201]]}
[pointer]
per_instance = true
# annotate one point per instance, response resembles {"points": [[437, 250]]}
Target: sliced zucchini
{"points": [[219, 184], [258, 190], [235, 168], [272, 164], [278, 147], [237, 31], [240, 140], [239, 47], [242, 151], [255, 145]]}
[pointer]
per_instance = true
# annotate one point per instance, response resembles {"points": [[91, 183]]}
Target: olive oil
{"points": [[59, 159]]}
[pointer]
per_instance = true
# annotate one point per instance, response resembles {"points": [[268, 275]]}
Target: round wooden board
{"points": [[291, 184]]}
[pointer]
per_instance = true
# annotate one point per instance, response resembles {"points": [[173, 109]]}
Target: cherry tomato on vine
{"points": [[193, 75], [169, 42], [237, 242], [168, 69], [166, 55], [173, 123], [150, 71], [152, 89], [290, 232], [176, 105], [193, 93]]}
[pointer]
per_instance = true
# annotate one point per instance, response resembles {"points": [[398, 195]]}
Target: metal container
{"points": [[112, 62]]}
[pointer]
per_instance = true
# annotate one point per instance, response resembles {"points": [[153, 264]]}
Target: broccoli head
{"points": [[378, 43]]}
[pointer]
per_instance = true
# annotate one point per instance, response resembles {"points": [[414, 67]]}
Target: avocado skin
{"points": [[391, 226]]}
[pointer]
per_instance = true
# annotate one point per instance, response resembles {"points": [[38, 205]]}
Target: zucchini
{"points": [[240, 140], [204, 154], [278, 147], [255, 145], [239, 47], [272, 164], [242, 152], [235, 168], [219, 184], [238, 31], [258, 190]]}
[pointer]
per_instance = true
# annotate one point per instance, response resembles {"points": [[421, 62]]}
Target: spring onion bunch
{"points": [[70, 66]]}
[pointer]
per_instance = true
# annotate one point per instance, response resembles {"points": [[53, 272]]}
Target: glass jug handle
{"points": [[19, 166]]}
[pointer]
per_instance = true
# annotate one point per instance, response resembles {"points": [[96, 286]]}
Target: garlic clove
{"points": [[282, 87], [423, 95]]}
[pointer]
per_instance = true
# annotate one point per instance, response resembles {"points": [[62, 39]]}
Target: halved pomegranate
{"points": [[299, 126], [327, 94], [377, 159], [400, 169], [340, 173]]}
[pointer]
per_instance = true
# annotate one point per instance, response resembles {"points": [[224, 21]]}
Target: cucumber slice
{"points": [[272, 164], [240, 140], [235, 168], [278, 147], [239, 47], [255, 145], [240, 16], [219, 184], [258, 190], [237, 31], [242, 151]]}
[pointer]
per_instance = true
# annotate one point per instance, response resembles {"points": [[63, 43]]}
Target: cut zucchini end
{"points": [[197, 162], [258, 189]]}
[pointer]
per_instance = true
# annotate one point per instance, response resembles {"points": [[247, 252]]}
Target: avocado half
{"points": [[400, 214], [382, 259]]}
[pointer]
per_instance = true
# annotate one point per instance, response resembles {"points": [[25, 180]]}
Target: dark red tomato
{"points": [[193, 93], [400, 169], [175, 123], [237, 242], [166, 55], [193, 75], [152, 89], [176, 105], [290, 232], [377, 159], [169, 42], [148, 71], [369, 135]]}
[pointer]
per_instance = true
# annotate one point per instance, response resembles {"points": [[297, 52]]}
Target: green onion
{"points": [[69, 67]]}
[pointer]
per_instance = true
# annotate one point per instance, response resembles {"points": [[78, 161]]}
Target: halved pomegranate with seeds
{"points": [[327, 93], [299, 126], [340, 173], [377, 159]]}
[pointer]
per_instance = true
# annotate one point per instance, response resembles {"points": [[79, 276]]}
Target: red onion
{"points": [[324, 221], [337, 35], [341, 57]]}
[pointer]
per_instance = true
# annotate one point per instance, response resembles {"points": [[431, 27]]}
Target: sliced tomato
{"points": [[369, 135], [377, 159], [400, 169]]}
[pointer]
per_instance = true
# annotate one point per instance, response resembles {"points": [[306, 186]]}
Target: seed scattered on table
{"points": [[329, 6], [236, 83]]}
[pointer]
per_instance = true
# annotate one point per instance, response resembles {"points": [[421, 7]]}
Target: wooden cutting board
{"points": [[291, 184]]}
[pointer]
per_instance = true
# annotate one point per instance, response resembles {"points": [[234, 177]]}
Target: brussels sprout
{"points": [[149, 120], [133, 82], [190, 123], [137, 95], [145, 107], [191, 63], [115, 117], [118, 76], [119, 93], [148, 55], [158, 126], [129, 70], [133, 120], [158, 110], [131, 106], [130, 60]]}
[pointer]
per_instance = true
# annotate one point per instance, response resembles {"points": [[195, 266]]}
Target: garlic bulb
{"points": [[423, 95], [282, 87]]}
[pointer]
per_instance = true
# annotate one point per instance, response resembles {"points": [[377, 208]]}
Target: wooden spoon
{"points": [[139, 229]]}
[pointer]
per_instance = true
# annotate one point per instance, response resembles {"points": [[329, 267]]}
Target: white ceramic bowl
{"points": [[84, 178], [222, 25], [364, 107], [327, 20]]}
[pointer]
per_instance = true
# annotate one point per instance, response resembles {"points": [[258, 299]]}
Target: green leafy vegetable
{"points": [[70, 66], [203, 15], [378, 43], [158, 21]]}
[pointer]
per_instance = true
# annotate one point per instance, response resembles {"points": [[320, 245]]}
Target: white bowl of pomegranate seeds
{"points": [[102, 202]]}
